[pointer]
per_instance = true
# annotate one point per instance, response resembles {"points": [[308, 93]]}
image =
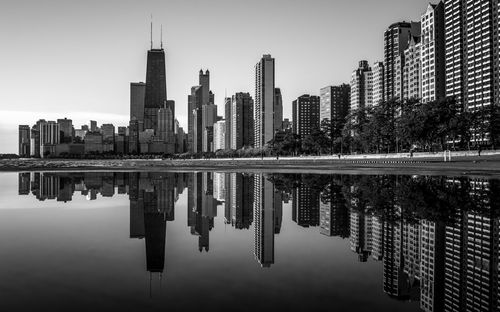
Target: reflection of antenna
{"points": [[161, 36], [150, 291], [160, 278], [151, 32]]}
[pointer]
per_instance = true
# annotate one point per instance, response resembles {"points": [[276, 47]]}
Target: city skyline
{"points": [[106, 98]]}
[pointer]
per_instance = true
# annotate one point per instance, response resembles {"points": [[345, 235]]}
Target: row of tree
{"points": [[395, 126]]}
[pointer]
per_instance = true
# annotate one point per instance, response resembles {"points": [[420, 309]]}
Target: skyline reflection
{"points": [[436, 238]]}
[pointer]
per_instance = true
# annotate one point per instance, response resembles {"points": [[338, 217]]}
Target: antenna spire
{"points": [[161, 36], [151, 32]]}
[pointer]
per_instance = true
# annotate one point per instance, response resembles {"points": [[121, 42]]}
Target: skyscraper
{"points": [[242, 121], [264, 101], [396, 39], [361, 87], [305, 111], [200, 96], [156, 87], [433, 53]]}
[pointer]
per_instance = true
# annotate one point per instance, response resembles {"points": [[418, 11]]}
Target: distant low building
{"points": [[93, 143], [24, 141]]}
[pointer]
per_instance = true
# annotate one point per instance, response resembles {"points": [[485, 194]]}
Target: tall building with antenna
{"points": [[156, 85]]}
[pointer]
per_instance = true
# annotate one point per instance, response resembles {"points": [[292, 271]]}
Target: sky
{"points": [[76, 59]]}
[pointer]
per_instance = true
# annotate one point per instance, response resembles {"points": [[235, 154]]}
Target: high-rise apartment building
{"points": [[265, 96], [396, 39], [378, 83], [220, 135], [432, 53], [361, 87], [242, 121], [408, 77], [334, 104], [472, 55], [305, 111], [24, 141]]}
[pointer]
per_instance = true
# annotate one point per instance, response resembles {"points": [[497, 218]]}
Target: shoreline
{"points": [[487, 165]]}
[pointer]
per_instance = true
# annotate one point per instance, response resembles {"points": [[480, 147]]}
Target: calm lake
{"points": [[173, 241]]}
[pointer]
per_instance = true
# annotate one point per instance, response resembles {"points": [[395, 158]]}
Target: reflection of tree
{"points": [[434, 198]]}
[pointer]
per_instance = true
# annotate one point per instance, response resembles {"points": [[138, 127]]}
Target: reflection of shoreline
{"points": [[484, 166]]}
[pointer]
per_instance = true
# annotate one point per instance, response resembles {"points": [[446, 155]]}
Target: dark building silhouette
{"points": [[241, 200], [156, 87], [24, 141], [305, 206], [305, 112], [242, 122], [334, 214], [24, 183], [264, 220], [335, 102], [137, 96]]}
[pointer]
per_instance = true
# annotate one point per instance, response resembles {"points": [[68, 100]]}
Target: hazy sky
{"points": [[76, 59]]}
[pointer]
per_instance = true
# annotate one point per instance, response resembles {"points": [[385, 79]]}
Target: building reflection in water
{"points": [[437, 238]]}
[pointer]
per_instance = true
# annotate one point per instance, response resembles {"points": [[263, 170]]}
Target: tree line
{"points": [[395, 126]]}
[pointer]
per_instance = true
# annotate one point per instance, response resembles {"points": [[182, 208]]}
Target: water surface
{"points": [[130, 241]]}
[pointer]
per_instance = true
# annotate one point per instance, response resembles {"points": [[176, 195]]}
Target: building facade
{"points": [[220, 135], [472, 56], [378, 83], [432, 45]]}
